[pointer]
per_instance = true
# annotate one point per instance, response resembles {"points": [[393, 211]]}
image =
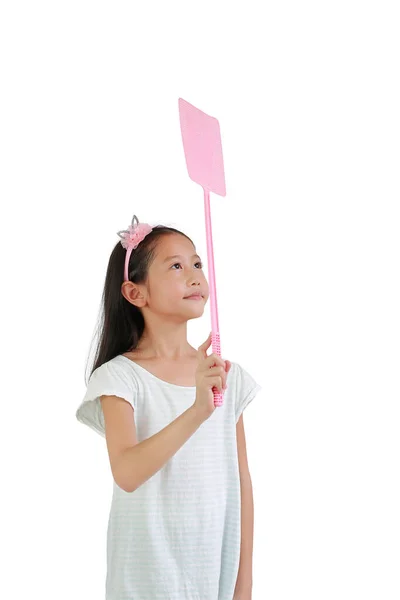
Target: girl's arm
{"points": [[244, 581], [132, 463]]}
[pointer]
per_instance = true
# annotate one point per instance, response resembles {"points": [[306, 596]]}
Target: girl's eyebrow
{"points": [[179, 256]]}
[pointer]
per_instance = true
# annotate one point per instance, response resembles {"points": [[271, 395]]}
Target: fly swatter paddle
{"points": [[203, 152]]}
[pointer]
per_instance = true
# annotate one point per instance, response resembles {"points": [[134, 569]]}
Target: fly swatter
{"points": [[203, 152]]}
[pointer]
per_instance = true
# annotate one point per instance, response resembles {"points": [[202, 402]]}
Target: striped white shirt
{"points": [[177, 536]]}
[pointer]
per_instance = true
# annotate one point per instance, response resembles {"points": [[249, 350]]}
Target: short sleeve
{"points": [[246, 389], [109, 379]]}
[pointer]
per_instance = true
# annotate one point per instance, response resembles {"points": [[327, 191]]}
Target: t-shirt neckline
{"points": [[152, 376]]}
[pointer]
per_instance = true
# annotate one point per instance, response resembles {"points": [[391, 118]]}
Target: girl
{"points": [[181, 486]]}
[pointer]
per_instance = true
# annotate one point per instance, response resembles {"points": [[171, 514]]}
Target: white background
{"points": [[307, 264]]}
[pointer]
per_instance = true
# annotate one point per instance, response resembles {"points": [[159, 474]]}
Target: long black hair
{"points": [[121, 324]]}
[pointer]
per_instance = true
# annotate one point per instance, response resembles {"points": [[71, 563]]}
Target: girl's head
{"points": [[162, 270]]}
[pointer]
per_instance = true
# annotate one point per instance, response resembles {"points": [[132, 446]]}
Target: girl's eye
{"points": [[198, 263]]}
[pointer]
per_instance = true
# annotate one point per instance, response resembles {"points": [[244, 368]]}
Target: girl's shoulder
{"points": [[111, 368], [109, 379]]}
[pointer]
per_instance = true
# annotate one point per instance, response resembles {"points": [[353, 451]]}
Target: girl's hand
{"points": [[246, 596], [244, 593], [211, 372]]}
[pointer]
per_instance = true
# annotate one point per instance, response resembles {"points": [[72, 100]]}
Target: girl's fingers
{"points": [[202, 349]]}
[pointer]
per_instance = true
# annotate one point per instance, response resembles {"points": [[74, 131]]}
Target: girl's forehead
{"points": [[172, 246]]}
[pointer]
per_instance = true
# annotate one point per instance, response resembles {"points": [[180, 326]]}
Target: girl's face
{"points": [[176, 272]]}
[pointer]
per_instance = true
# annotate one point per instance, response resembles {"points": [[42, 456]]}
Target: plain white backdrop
{"points": [[306, 249]]}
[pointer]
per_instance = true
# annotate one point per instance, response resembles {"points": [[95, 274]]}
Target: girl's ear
{"points": [[133, 293]]}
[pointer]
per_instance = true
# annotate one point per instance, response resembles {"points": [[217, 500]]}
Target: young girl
{"points": [[179, 467]]}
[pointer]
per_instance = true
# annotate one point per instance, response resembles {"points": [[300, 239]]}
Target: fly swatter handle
{"points": [[216, 348], [216, 343]]}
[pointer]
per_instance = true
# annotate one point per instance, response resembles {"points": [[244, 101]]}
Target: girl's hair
{"points": [[121, 323]]}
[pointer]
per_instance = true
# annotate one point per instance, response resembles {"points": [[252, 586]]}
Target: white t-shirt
{"points": [[177, 536]]}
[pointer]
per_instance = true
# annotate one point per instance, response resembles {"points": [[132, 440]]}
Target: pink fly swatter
{"points": [[203, 152]]}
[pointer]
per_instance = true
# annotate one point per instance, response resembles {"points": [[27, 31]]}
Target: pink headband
{"points": [[131, 239]]}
